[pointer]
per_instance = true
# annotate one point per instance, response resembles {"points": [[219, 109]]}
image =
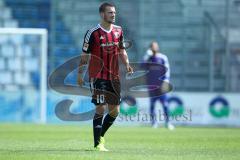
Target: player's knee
{"points": [[100, 109], [114, 112]]}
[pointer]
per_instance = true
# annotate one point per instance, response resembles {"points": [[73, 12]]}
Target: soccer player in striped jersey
{"points": [[104, 45], [153, 55]]}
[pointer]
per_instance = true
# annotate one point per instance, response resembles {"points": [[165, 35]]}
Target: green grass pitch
{"points": [[61, 142]]}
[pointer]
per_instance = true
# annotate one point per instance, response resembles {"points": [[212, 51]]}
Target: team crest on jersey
{"points": [[117, 35], [85, 46], [101, 37]]}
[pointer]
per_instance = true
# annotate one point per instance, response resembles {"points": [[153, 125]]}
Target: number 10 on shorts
{"points": [[100, 98]]}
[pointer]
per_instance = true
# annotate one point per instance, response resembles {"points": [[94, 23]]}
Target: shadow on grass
{"points": [[46, 150]]}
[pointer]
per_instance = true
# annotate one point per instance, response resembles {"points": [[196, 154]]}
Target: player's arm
{"points": [[83, 61], [125, 60], [147, 55], [84, 56], [123, 55], [145, 59], [167, 74]]}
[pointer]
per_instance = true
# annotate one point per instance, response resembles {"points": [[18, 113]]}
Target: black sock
{"points": [[107, 122], [97, 128]]}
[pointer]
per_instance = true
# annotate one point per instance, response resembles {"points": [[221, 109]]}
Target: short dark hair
{"points": [[104, 5]]}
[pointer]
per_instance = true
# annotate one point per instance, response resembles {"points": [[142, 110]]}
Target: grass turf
{"points": [[38, 142]]}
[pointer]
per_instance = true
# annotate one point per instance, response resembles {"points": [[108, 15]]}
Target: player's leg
{"points": [[98, 98], [164, 101], [152, 112], [97, 124], [113, 101], [110, 118]]}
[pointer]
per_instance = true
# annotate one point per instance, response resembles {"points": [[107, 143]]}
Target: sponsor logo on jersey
{"points": [[109, 44], [116, 34]]}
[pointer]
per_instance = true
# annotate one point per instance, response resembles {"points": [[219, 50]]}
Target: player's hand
{"points": [[80, 80], [129, 68]]}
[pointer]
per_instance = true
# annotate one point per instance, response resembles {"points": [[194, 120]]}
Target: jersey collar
{"points": [[108, 31]]}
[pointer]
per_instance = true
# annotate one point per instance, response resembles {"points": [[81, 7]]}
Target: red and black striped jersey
{"points": [[104, 48]]}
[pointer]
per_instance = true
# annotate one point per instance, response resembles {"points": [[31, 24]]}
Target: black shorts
{"points": [[105, 91]]}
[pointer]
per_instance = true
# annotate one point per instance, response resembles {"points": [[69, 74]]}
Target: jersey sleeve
{"points": [[88, 42], [167, 74], [121, 40], [147, 55], [121, 36]]}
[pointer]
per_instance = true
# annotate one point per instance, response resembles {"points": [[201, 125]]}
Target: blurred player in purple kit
{"points": [[154, 56]]}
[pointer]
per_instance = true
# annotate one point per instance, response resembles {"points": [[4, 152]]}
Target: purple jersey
{"points": [[160, 59]]}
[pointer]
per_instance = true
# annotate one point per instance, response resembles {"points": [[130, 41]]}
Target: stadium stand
{"points": [[18, 52], [185, 30], [201, 17]]}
